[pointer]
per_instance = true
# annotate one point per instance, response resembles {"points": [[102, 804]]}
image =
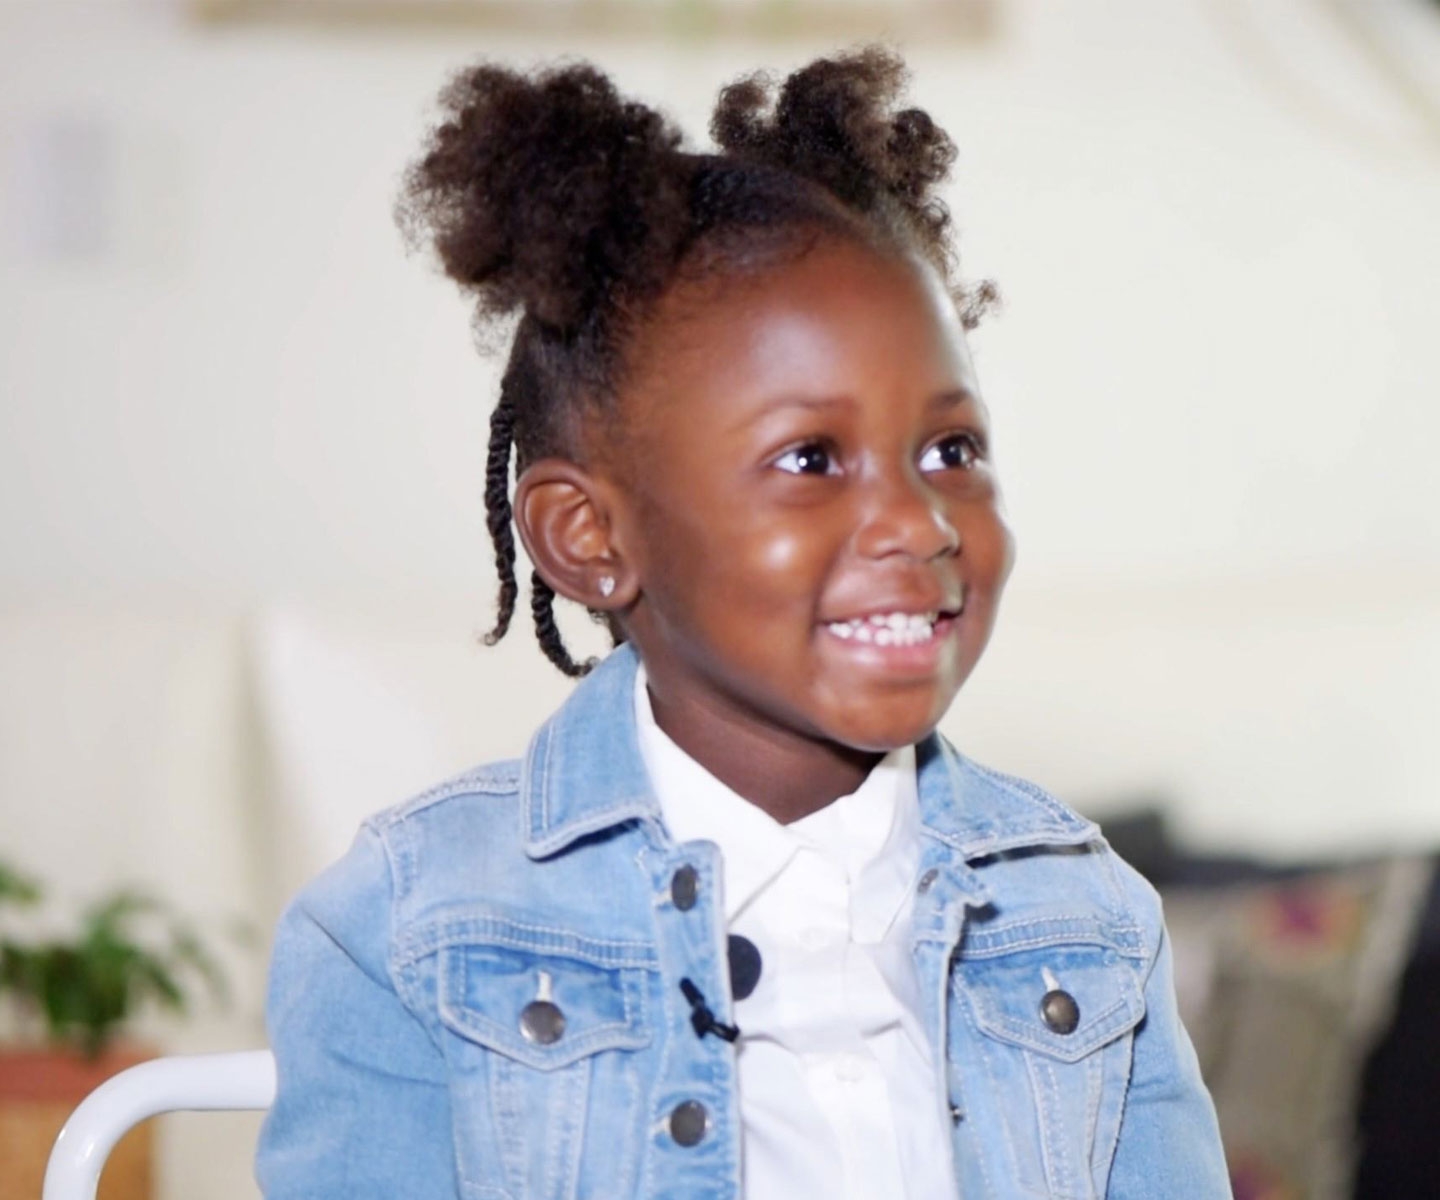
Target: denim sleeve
{"points": [[362, 1108], [1169, 1142]]}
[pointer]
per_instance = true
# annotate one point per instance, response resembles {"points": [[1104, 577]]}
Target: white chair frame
{"points": [[192, 1082]]}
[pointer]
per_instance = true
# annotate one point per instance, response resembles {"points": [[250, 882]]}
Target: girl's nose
{"points": [[904, 515]]}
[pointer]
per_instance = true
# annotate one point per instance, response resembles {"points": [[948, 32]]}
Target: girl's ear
{"points": [[564, 517]]}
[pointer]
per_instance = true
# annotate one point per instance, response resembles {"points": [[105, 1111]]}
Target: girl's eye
{"points": [[809, 459], [959, 451]]}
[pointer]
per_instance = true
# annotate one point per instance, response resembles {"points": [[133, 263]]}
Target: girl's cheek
{"points": [[780, 553], [986, 537]]}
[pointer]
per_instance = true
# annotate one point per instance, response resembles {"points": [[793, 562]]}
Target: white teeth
{"points": [[888, 629]]}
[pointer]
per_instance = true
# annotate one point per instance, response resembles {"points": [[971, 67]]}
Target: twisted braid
{"points": [[499, 518], [542, 608]]}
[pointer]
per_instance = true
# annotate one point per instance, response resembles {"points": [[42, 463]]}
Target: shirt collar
{"points": [[583, 772], [875, 833], [871, 832]]}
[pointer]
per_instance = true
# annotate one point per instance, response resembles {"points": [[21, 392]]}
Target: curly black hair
{"points": [[551, 197]]}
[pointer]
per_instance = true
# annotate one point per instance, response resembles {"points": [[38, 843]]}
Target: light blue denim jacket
{"points": [[400, 976]]}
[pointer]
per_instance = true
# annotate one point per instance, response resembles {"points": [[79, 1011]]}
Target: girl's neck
{"points": [[782, 773]]}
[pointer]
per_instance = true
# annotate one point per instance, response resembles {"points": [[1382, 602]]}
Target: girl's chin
{"points": [[883, 717], [880, 728]]}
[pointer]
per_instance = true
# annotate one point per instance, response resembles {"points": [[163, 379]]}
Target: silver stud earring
{"points": [[607, 585]]}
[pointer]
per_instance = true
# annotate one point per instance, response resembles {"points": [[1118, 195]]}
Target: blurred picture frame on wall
{"points": [[964, 20]]}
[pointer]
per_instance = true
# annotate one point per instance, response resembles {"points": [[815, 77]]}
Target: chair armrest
{"points": [[194, 1082]]}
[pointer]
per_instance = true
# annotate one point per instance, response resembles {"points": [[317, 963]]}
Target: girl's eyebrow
{"points": [[940, 402], [957, 398], [780, 403]]}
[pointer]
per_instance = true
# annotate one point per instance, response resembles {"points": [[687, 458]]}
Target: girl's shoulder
{"points": [[421, 851], [1046, 870], [479, 784]]}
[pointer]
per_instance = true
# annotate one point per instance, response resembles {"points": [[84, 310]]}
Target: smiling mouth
{"points": [[894, 628]]}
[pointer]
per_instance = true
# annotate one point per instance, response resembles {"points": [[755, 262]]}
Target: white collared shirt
{"points": [[839, 1096]]}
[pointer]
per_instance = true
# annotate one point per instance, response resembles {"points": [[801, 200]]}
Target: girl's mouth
{"points": [[896, 628]]}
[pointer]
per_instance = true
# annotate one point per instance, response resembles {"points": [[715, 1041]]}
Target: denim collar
{"points": [[584, 774]]}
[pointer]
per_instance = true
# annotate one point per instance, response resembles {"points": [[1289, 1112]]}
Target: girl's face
{"points": [[810, 507]]}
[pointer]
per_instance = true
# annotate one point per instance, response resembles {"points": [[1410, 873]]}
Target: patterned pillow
{"points": [[1284, 985]]}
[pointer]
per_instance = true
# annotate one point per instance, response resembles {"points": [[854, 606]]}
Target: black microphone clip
{"points": [[702, 1020]]}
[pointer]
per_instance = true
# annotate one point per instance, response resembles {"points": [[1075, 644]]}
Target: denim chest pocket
{"points": [[543, 1031], [1046, 1064], [1008, 994], [542, 1010]]}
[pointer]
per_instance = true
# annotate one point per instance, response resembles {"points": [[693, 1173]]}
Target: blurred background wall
{"points": [[242, 551]]}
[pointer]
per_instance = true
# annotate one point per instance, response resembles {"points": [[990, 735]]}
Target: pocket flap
{"points": [[1005, 994], [485, 988]]}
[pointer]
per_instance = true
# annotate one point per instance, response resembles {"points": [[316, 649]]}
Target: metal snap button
{"points": [[689, 1122], [1059, 1010], [685, 887], [541, 1022], [927, 881]]}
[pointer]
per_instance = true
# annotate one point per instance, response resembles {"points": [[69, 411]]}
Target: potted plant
{"points": [[66, 1001]]}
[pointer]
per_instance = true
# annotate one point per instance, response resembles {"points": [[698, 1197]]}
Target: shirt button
{"points": [[541, 1022], [927, 881], [689, 1122], [743, 957], [1059, 1010], [685, 887]]}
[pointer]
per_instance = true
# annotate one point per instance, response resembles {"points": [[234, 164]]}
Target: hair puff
{"points": [[545, 193], [833, 122]]}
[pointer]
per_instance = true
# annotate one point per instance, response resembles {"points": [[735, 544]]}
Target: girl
{"points": [[740, 923]]}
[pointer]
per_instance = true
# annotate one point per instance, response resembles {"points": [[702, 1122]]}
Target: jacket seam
{"points": [[984, 1046], [989, 944], [401, 980], [1149, 953], [550, 740], [493, 779], [1023, 787], [564, 943]]}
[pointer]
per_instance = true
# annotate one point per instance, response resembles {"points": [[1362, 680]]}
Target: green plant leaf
{"points": [[16, 888], [130, 950]]}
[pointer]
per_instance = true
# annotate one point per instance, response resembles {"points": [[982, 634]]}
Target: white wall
{"points": [[1214, 358], [227, 398]]}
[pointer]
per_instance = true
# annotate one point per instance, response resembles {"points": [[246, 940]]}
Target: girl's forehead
{"points": [[836, 316]]}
